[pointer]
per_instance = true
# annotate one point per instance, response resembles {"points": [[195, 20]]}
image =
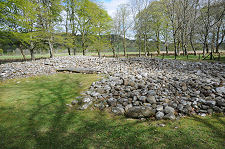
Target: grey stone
{"points": [[74, 102], [204, 107], [131, 83], [112, 102], [140, 112], [85, 106], [180, 107], [221, 102], [220, 90], [188, 107], [159, 115], [170, 116], [86, 100], [118, 110], [169, 110], [128, 107], [142, 98], [151, 99], [101, 90], [151, 93], [203, 114], [159, 108], [184, 88], [210, 111], [136, 103], [79, 70], [210, 103]]}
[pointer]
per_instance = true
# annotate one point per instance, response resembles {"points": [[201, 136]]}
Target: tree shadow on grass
{"points": [[218, 133]]}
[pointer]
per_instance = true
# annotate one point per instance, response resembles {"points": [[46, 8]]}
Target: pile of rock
{"points": [[139, 87], [208, 71], [144, 96]]}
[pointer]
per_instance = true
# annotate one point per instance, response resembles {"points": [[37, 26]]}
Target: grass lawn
{"points": [[193, 58], [3, 57], [8, 56], [33, 114]]}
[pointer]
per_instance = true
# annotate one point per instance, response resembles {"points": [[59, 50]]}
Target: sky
{"points": [[111, 5]]}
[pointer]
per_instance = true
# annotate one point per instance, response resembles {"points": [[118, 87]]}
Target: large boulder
{"points": [[79, 70], [140, 112], [118, 110]]}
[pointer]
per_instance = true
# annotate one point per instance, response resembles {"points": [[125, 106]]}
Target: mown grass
{"points": [[19, 56], [193, 58], [16, 56], [33, 114]]}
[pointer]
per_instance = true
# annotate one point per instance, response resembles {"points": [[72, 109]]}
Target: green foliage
{"points": [[33, 24], [92, 23], [1, 51]]}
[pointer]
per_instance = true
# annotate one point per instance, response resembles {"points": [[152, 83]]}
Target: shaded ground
{"points": [[33, 114]]}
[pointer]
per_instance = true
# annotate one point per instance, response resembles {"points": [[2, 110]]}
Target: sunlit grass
{"points": [[193, 58]]}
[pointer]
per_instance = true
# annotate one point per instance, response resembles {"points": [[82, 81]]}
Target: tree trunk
{"points": [[213, 42], [139, 51], [21, 51], [32, 51], [68, 51], [32, 54], [114, 52], [207, 48], [139, 46], [124, 45], [84, 52], [145, 45], [51, 50], [175, 45], [99, 53], [182, 41], [185, 49], [192, 46], [178, 47], [158, 43], [84, 49], [74, 51], [218, 37], [167, 50]]}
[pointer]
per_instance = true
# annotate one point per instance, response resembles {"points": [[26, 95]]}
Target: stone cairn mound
{"points": [[145, 96], [138, 87]]}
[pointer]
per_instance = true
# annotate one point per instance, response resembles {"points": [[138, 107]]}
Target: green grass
{"points": [[19, 56], [8, 56], [33, 114], [192, 58]]}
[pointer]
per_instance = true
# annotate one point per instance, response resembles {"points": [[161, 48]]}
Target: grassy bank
{"points": [[33, 114]]}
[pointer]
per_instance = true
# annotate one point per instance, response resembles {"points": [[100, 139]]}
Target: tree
{"points": [[123, 18], [101, 29], [137, 6], [156, 21], [142, 26], [18, 18], [49, 16]]}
